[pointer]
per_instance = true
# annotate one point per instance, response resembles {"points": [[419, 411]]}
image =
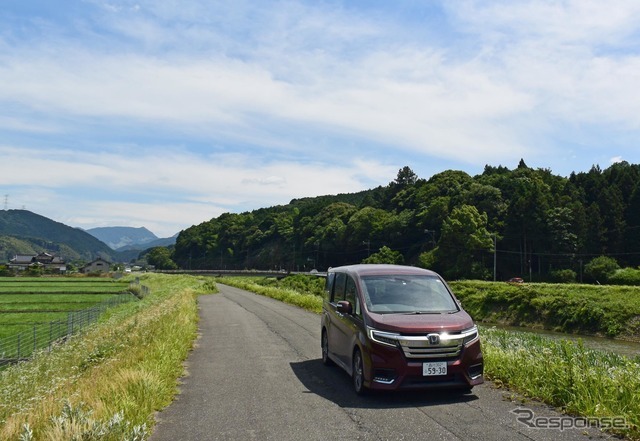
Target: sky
{"points": [[166, 113]]}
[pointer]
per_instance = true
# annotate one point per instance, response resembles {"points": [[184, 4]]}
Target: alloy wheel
{"points": [[358, 373]]}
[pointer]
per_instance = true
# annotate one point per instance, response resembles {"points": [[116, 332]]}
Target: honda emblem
{"points": [[434, 339]]}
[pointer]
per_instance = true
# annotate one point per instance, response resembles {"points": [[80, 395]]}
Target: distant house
{"points": [[97, 266], [43, 260]]}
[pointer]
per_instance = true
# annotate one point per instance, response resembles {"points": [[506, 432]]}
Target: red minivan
{"points": [[394, 327]]}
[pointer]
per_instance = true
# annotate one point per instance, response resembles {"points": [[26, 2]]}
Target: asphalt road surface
{"points": [[256, 374]]}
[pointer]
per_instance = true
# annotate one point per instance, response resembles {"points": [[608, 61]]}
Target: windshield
{"points": [[409, 294]]}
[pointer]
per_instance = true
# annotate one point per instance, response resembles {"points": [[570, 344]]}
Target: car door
{"points": [[347, 325], [337, 331]]}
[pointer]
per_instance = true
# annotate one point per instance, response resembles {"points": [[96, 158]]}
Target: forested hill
{"points": [[542, 224], [22, 231]]}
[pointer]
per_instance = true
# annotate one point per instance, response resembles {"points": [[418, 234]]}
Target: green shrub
{"points": [[297, 282], [33, 271], [5, 271], [385, 255], [563, 276], [427, 260], [625, 276], [601, 268]]}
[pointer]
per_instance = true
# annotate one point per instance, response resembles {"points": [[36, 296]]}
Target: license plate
{"points": [[436, 368]]}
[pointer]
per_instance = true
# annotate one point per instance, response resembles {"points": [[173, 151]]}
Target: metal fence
{"points": [[22, 346]]}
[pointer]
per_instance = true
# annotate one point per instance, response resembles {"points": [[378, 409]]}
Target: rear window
{"points": [[409, 294]]}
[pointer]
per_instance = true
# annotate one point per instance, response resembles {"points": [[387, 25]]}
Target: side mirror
{"points": [[344, 307]]}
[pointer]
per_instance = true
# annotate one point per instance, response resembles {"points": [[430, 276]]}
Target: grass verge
{"points": [[266, 287], [107, 383]]}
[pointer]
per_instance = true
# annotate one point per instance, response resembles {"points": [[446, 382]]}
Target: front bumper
{"points": [[387, 368]]}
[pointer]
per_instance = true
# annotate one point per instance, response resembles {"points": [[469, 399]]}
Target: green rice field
{"points": [[25, 302]]}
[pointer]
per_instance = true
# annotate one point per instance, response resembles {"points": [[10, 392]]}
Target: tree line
{"points": [[502, 223]]}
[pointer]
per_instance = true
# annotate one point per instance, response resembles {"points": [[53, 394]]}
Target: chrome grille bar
{"points": [[447, 345]]}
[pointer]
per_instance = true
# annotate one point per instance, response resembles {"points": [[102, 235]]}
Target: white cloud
{"points": [[405, 99], [573, 58], [564, 21], [157, 171], [163, 219], [167, 190]]}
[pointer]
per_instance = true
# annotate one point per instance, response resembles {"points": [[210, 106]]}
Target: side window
{"points": [[328, 287], [352, 296], [338, 287]]}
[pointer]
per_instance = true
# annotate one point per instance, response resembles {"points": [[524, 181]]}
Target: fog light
{"points": [[476, 370], [384, 376]]}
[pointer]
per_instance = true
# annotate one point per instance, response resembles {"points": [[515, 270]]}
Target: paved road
{"points": [[256, 374]]}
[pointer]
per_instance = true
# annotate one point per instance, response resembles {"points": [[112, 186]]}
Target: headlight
{"points": [[470, 335], [384, 338]]}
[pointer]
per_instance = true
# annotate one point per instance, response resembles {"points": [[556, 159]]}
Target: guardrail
{"points": [[241, 273], [44, 336]]}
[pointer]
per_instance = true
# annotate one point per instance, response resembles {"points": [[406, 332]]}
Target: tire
{"points": [[325, 350], [357, 376]]}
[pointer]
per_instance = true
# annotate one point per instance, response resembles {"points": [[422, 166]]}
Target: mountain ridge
{"points": [[33, 231], [25, 232]]}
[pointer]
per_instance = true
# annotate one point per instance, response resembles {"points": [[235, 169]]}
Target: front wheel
{"points": [[358, 373]]}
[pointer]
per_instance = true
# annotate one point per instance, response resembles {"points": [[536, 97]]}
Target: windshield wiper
{"points": [[422, 312]]}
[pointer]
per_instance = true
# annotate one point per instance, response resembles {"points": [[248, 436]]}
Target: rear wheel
{"points": [[358, 373], [325, 350]]}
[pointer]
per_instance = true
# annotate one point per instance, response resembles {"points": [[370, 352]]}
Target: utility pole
{"points": [[6, 202], [495, 255], [580, 270], [494, 236], [368, 244]]}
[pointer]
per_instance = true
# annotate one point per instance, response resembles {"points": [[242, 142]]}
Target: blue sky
{"points": [[166, 113]]}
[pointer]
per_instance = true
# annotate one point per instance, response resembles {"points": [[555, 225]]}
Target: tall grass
{"points": [[311, 302], [115, 375], [565, 374]]}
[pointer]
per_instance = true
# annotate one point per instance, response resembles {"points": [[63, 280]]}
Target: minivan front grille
{"points": [[436, 345], [426, 346], [421, 348]]}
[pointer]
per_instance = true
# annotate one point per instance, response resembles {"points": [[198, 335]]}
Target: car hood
{"points": [[419, 323]]}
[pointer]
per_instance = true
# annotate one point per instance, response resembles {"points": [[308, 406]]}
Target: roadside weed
{"points": [[108, 382], [565, 374]]}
